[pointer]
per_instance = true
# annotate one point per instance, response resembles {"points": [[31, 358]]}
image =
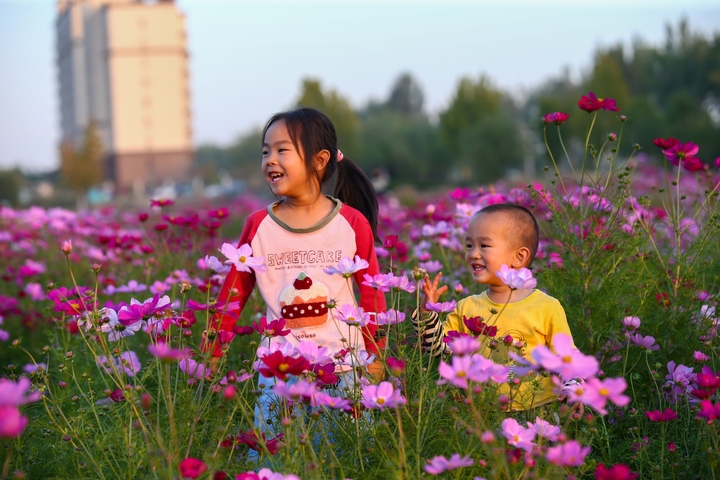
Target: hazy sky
{"points": [[247, 58]]}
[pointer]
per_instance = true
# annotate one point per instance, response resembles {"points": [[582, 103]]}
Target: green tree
{"points": [[10, 183], [337, 108], [82, 168], [406, 96]]}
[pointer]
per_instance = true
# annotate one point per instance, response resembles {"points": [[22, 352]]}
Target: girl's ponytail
{"points": [[354, 188]]}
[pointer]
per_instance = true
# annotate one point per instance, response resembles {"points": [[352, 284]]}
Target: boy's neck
{"points": [[500, 294]]}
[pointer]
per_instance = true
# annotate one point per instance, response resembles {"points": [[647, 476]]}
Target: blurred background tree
{"points": [[82, 168], [10, 183], [485, 133]]}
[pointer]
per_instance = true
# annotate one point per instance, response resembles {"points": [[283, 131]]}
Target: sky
{"points": [[248, 57]]}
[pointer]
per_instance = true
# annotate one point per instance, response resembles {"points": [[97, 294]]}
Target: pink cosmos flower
{"points": [[516, 279], [163, 351], [314, 353], [133, 286], [324, 400], [213, 265], [464, 345], [441, 307], [242, 258], [193, 369], [391, 317], [192, 468], [568, 454], [4, 335], [358, 359], [396, 366], [683, 153], [353, 315], [569, 362], [700, 357], [440, 464], [381, 396], [13, 393], [644, 342], [278, 365], [544, 429], [590, 103], [461, 370], [432, 266], [12, 423], [518, 436], [599, 392], [631, 323], [302, 391], [266, 474], [346, 267], [401, 283], [379, 282]]}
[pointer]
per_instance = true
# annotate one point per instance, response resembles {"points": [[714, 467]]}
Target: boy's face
{"points": [[488, 247]]}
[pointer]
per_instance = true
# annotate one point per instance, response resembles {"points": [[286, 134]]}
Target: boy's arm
{"points": [[430, 332]]}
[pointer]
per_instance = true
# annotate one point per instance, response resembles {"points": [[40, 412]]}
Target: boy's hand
{"points": [[431, 290], [213, 361]]}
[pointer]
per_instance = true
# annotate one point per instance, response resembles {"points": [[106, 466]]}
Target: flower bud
{"points": [[487, 437], [142, 217], [145, 401], [229, 392], [66, 247], [612, 136]]}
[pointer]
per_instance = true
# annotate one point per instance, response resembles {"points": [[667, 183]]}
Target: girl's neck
{"points": [[303, 212], [500, 294]]}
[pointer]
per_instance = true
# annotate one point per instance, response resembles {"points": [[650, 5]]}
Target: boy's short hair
{"points": [[525, 230]]}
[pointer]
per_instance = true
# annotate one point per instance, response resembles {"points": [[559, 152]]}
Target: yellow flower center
{"points": [[242, 259], [283, 366], [380, 401], [604, 392], [515, 437], [461, 374], [567, 359]]}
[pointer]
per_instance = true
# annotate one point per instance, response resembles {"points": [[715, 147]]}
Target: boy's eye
{"points": [[483, 246], [265, 152]]}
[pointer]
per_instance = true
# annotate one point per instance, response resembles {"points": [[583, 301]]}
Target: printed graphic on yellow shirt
{"points": [[304, 303]]}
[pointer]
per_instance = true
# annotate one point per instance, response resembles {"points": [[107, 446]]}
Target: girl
{"points": [[305, 232]]}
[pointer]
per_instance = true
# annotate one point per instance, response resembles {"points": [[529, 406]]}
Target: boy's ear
{"points": [[321, 159], [521, 257]]}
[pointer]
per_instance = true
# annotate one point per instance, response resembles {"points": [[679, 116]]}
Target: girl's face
{"points": [[283, 165]]}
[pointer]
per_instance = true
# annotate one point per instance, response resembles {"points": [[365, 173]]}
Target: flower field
{"points": [[103, 315]]}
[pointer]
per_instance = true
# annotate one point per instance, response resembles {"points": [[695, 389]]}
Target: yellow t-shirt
{"points": [[532, 321]]}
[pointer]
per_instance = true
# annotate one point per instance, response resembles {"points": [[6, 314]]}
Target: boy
{"points": [[501, 234]]}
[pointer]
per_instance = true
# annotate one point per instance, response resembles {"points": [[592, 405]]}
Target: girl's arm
{"points": [[371, 300], [237, 287]]}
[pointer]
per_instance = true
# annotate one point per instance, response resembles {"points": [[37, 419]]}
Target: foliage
{"points": [[82, 167]]}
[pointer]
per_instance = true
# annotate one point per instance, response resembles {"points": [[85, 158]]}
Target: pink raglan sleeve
{"points": [[371, 300], [237, 288]]}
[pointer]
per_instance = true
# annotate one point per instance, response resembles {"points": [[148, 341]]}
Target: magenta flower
{"points": [[568, 454], [13, 394], [440, 464], [717, 162], [664, 145], [709, 411], [242, 258], [683, 153], [657, 416], [192, 468], [569, 362], [314, 353], [391, 317], [700, 357], [12, 423], [382, 396], [346, 267], [644, 342], [591, 103], [441, 307], [517, 436], [163, 351], [516, 279], [137, 311], [276, 328], [598, 392]]}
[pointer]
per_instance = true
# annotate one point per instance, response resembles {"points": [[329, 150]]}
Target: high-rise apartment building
{"points": [[122, 64]]}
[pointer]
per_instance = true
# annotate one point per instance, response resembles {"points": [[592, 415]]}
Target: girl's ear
{"points": [[321, 159], [521, 257]]}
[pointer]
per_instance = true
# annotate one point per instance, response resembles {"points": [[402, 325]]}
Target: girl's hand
{"points": [[376, 371], [431, 290]]}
